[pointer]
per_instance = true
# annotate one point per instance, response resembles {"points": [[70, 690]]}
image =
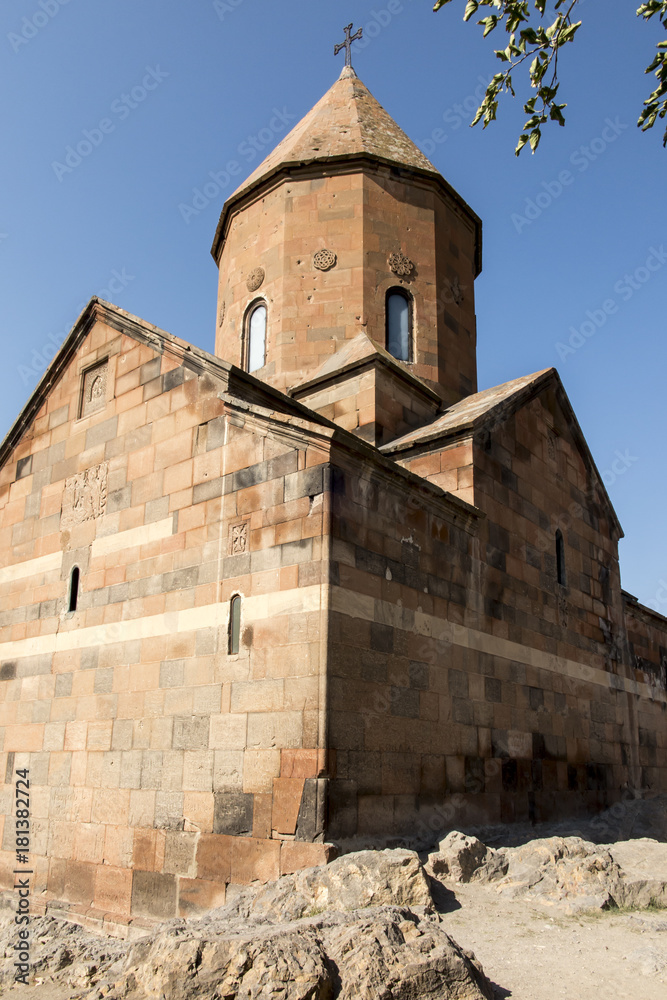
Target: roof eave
{"points": [[519, 398], [286, 168]]}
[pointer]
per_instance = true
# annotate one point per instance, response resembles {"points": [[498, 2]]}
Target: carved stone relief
{"points": [[324, 260], [94, 395], [255, 279], [84, 496], [456, 290], [400, 264], [238, 538]]}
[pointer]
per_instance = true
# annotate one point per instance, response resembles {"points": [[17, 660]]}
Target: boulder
{"points": [[643, 865], [351, 882], [383, 953], [572, 874], [361, 928], [465, 859]]}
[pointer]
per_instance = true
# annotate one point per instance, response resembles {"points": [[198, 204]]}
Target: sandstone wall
{"points": [[161, 766], [362, 214], [479, 688]]}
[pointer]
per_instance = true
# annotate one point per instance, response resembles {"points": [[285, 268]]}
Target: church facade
{"points": [[315, 589]]}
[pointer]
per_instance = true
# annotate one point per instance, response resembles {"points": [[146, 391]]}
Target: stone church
{"points": [[313, 590]]}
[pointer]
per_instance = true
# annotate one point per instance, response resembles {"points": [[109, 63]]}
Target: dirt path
{"points": [[532, 954]]}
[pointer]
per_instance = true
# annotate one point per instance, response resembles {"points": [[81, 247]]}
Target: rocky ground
{"points": [[555, 916]]}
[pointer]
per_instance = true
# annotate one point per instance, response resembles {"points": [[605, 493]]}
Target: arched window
{"points": [[560, 557], [73, 589], [234, 624], [399, 324], [256, 337]]}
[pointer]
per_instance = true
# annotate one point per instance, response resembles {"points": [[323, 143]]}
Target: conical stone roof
{"points": [[346, 122]]}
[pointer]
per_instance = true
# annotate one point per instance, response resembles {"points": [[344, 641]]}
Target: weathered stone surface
{"points": [[388, 952], [357, 938], [643, 864], [568, 873], [353, 881], [465, 859], [572, 874]]}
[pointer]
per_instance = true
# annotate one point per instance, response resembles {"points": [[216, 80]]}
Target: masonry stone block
{"points": [[179, 853], [169, 810], [233, 813], [227, 770], [254, 860], [228, 731], [154, 894], [260, 767], [191, 732], [213, 857], [196, 896], [267, 730]]}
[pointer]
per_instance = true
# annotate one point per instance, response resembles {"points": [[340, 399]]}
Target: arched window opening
{"points": [[560, 557], [399, 324], [256, 338], [73, 589], [234, 624]]}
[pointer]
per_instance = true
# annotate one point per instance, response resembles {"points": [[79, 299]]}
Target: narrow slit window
{"points": [[256, 336], [560, 557], [399, 324], [234, 624], [73, 589]]}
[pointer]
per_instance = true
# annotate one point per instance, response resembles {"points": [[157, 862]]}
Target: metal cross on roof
{"points": [[347, 44]]}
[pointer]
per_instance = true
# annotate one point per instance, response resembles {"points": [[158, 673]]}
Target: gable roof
{"points": [[469, 413], [347, 123], [483, 410], [237, 388], [195, 358]]}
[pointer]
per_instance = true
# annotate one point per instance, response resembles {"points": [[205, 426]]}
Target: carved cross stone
{"points": [[347, 44]]}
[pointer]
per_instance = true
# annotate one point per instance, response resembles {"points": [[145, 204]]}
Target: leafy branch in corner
{"points": [[541, 45], [656, 105]]}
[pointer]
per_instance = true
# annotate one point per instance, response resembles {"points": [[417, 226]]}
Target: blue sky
{"points": [[169, 93]]}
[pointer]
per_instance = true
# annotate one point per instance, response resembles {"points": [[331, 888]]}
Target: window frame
{"points": [[74, 590], [234, 627], [561, 573], [250, 311], [404, 294]]}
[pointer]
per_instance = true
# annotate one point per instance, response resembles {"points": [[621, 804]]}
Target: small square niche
{"points": [[94, 388]]}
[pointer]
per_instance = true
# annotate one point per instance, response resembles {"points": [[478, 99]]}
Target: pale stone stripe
{"points": [[266, 606], [133, 537], [369, 609], [261, 607], [31, 567]]}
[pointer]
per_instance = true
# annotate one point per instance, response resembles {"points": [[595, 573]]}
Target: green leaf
{"points": [[471, 8], [489, 24], [522, 142]]}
